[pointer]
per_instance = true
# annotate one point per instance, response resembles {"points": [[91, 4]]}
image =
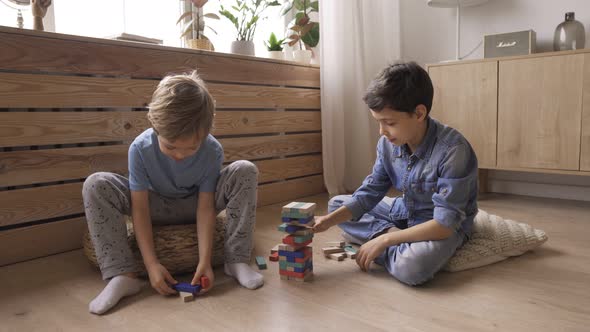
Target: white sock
{"points": [[119, 287], [245, 275]]}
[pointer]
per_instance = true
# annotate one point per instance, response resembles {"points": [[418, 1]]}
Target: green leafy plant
{"points": [[305, 31], [195, 27], [273, 43], [245, 15]]}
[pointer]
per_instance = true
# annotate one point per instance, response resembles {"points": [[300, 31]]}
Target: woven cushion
{"points": [[494, 239], [176, 246]]}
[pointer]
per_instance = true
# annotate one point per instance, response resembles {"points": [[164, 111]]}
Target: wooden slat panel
{"points": [[279, 169], [44, 128], [25, 205], [40, 128], [39, 51], [250, 148], [17, 245], [55, 91], [265, 122], [250, 96], [37, 166], [290, 190]]}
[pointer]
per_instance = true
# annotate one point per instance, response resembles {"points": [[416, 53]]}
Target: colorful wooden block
{"points": [[261, 263], [293, 274], [286, 247], [291, 229], [186, 297], [339, 244], [308, 276], [304, 265], [351, 255], [350, 248], [294, 259], [294, 221], [303, 252], [337, 256], [294, 245], [274, 249], [300, 207], [274, 257], [331, 250], [187, 287], [297, 215]]}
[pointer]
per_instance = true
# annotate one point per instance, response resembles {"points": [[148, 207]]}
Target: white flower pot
{"points": [[279, 55], [302, 56], [244, 47]]}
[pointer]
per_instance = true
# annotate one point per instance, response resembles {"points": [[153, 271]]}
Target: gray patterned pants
{"points": [[107, 200]]}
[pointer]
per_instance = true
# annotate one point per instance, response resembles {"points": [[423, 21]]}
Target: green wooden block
{"points": [[284, 264], [350, 249], [302, 239], [261, 263]]}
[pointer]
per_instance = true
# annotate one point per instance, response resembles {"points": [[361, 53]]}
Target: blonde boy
{"points": [[175, 177]]}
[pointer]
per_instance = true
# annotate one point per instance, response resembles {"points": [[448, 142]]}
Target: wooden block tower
{"points": [[295, 253]]}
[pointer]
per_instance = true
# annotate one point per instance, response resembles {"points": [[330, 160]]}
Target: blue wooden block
{"points": [[298, 220], [187, 287], [293, 254]]}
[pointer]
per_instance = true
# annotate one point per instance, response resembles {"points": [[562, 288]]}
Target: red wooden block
{"points": [[274, 257], [292, 274], [204, 282]]}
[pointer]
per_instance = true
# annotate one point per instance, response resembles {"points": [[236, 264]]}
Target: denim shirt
{"points": [[438, 181]]}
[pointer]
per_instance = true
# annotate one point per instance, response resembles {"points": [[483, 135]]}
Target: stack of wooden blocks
{"points": [[338, 250], [295, 253]]}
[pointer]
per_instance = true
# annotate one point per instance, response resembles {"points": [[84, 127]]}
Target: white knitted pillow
{"points": [[494, 239]]}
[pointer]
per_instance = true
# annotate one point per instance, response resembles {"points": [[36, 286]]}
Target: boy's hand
{"points": [[204, 270], [322, 223], [368, 252], [160, 279]]}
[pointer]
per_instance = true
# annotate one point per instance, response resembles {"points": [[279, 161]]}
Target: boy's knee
{"points": [[94, 182], [414, 270], [337, 201], [245, 168]]}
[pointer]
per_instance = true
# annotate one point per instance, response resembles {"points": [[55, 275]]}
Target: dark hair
{"points": [[401, 86]]}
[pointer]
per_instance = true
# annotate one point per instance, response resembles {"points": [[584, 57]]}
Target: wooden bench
{"points": [[70, 106]]}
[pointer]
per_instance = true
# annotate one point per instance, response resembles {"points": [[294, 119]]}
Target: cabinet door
{"points": [[465, 98], [539, 112], [585, 150]]}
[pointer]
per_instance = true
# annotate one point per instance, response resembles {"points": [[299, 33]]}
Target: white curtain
{"points": [[358, 39]]}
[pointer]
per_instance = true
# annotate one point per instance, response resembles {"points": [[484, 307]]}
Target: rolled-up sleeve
{"points": [[372, 190], [457, 185]]}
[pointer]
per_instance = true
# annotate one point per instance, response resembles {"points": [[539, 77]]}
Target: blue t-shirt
{"points": [[150, 169]]}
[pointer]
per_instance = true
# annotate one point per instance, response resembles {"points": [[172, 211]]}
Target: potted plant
{"points": [[192, 23], [245, 15], [275, 47], [304, 31]]}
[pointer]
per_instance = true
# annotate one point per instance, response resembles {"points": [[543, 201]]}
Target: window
{"points": [[153, 19]]}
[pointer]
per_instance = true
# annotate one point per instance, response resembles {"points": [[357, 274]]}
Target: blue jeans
{"points": [[411, 263]]}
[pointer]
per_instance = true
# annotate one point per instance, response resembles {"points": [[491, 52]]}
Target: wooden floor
{"points": [[545, 290]]}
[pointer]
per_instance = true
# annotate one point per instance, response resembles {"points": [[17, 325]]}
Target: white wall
{"points": [[428, 36]]}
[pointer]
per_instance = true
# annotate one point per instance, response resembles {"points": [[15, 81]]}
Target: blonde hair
{"points": [[181, 107]]}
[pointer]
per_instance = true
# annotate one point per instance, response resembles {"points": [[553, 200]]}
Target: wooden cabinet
{"points": [[526, 113], [465, 98], [539, 112], [585, 144]]}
